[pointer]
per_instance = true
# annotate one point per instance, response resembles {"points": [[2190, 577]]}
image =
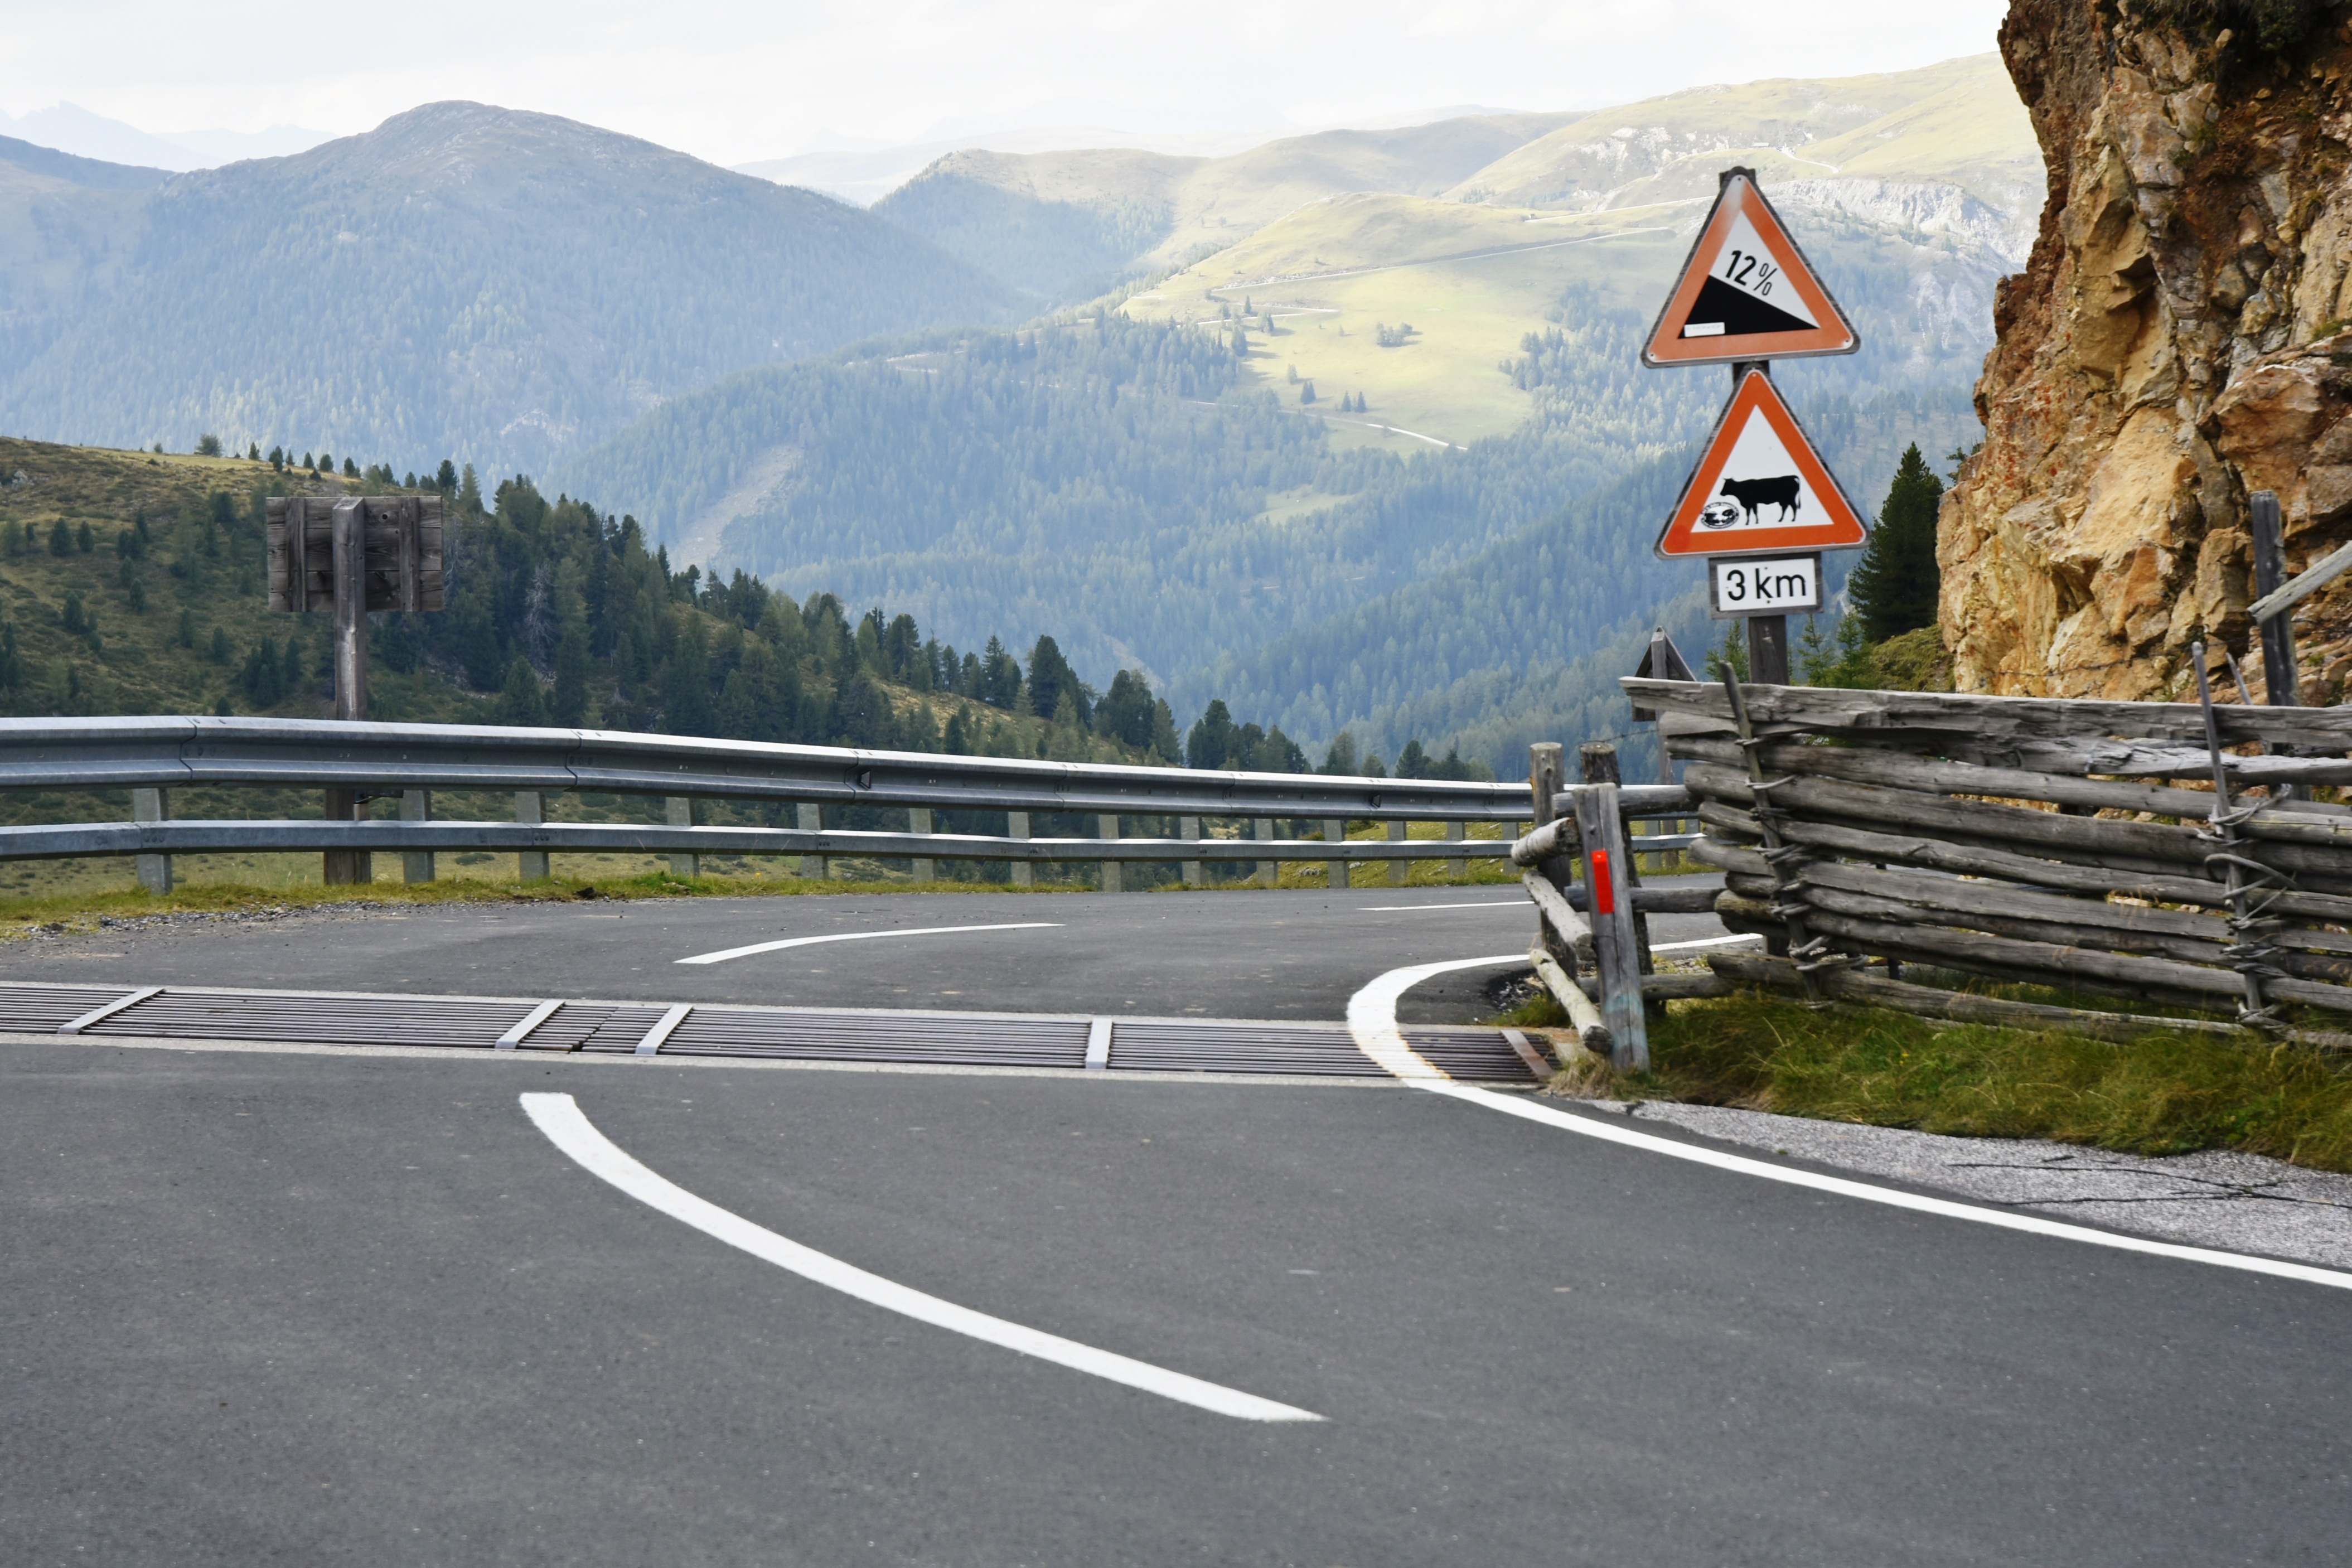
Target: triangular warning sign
{"points": [[1747, 293], [1759, 487]]}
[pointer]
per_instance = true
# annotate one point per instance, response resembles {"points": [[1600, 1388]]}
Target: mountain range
{"points": [[1278, 425]]}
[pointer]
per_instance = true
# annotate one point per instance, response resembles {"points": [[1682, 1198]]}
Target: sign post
{"points": [[1760, 505], [347, 557]]}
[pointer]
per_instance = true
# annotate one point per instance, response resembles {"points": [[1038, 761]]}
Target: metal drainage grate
{"points": [[968, 1039]]}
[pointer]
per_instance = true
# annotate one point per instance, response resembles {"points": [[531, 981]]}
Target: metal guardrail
{"points": [[166, 753]]}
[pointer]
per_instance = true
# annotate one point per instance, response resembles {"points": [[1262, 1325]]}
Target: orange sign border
{"points": [[1740, 194], [1680, 539]]}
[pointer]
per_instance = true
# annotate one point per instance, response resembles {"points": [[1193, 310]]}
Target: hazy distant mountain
{"points": [[69, 128], [462, 281]]}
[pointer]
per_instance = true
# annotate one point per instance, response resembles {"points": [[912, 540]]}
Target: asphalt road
{"points": [[1274, 954], [318, 1308]]}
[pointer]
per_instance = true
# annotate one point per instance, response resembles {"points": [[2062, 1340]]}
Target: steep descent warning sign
{"points": [[1759, 487], [1745, 292]]}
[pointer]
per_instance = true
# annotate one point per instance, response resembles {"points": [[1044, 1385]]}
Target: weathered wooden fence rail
{"points": [[2040, 840]]}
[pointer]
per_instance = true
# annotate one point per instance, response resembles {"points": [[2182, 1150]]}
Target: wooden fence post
{"points": [[155, 870], [1016, 825], [344, 868], [530, 865], [1617, 953], [416, 865], [1108, 877], [1545, 775], [918, 820], [808, 816], [679, 811], [2279, 673], [1597, 760]]}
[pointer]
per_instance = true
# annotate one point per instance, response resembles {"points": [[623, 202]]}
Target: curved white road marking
{"points": [[1371, 1017], [722, 955], [1372, 1011], [559, 1116]]}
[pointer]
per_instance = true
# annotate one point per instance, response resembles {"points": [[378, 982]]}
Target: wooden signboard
{"points": [[401, 569]]}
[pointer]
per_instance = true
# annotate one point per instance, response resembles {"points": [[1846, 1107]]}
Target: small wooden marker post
{"points": [[348, 556], [1617, 952]]}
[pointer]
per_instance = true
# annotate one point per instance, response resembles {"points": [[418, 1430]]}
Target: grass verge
{"points": [[2162, 1093]]}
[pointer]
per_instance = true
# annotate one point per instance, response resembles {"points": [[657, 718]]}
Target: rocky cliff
{"points": [[2178, 341]]}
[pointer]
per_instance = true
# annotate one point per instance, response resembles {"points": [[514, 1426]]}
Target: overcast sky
{"points": [[733, 83]]}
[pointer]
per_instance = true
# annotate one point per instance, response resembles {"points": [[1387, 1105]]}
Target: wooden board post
{"points": [[1617, 953], [416, 865], [345, 868], [350, 567], [155, 870], [2279, 675], [1545, 776], [1597, 760]]}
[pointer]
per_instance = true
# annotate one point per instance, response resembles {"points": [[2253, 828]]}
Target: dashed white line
{"points": [[560, 1116], [725, 954]]}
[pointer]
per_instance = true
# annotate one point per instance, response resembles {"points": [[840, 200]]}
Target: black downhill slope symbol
{"points": [[1738, 314], [1753, 493]]}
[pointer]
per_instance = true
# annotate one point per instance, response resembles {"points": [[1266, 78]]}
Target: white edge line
{"points": [[560, 1118], [725, 954], [1397, 909], [1593, 1127], [1373, 1010], [1372, 1018]]}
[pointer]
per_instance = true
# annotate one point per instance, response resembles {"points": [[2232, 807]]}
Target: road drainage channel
{"points": [[607, 1029]]}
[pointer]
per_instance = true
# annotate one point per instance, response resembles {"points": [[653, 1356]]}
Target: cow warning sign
{"points": [[1759, 487], [1745, 292]]}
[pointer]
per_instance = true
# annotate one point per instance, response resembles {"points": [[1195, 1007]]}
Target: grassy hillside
{"points": [[461, 281], [1957, 123], [1069, 225]]}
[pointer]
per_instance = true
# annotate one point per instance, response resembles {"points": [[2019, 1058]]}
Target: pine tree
{"points": [[1895, 586]]}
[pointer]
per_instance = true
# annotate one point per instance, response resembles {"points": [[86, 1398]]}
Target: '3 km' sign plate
{"points": [[1764, 584]]}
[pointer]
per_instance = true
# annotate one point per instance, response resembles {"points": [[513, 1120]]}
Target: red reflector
{"points": [[1604, 887]]}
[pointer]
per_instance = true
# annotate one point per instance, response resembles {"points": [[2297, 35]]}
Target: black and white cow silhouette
{"points": [[1753, 493]]}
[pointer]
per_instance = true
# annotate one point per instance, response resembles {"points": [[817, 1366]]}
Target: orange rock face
{"points": [[2177, 342]]}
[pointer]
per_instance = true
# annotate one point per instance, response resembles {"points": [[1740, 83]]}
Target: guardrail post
{"points": [[1112, 882], [809, 817], [1189, 830], [1457, 869], [1267, 872], [416, 865], [918, 820], [344, 868], [1617, 952], [1399, 872], [1016, 825], [679, 810], [155, 870], [1335, 831], [530, 865]]}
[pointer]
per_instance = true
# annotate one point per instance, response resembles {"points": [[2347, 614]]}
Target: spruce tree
{"points": [[1895, 586]]}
